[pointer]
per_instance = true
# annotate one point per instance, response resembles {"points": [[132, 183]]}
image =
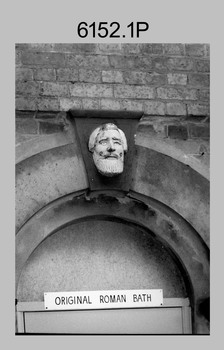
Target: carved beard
{"points": [[108, 167]]}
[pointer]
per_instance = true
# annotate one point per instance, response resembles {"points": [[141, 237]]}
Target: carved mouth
{"points": [[114, 156]]}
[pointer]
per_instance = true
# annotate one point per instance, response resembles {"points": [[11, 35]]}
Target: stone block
{"points": [[91, 103], [144, 78], [24, 73], [159, 64], [91, 90], [67, 74], [87, 61], [174, 49], [177, 132], [26, 103], [202, 66], [49, 59], [197, 109], [130, 62], [136, 91], [68, 103], [177, 93], [76, 48], [180, 64], [118, 61], [131, 105], [143, 63], [90, 76], [110, 104], [54, 89], [112, 76], [27, 88], [204, 95], [199, 131], [154, 108], [45, 74], [110, 48], [177, 79], [131, 48], [199, 79], [35, 47], [151, 49], [48, 104], [135, 77], [195, 50], [156, 79], [176, 108]]}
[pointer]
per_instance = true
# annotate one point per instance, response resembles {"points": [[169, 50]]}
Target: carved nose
{"points": [[110, 148]]}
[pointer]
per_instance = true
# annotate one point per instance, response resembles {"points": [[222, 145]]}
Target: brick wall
{"points": [[162, 80]]}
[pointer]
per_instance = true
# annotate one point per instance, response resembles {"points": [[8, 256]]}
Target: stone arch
{"points": [[167, 225]]}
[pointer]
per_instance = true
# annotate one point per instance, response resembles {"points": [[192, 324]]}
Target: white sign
{"points": [[107, 299]]}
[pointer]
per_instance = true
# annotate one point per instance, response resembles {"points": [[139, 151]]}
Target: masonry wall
{"points": [[162, 80]]}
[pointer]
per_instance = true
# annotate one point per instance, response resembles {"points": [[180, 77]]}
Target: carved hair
{"points": [[103, 127]]}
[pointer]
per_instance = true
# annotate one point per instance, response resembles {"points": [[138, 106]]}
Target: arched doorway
{"points": [[137, 242]]}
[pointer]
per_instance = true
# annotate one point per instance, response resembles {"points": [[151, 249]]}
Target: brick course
{"points": [[162, 80]]}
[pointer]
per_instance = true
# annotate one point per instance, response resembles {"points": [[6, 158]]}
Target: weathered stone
{"points": [[27, 88], [47, 127], [151, 49], [113, 76], [204, 94], [176, 108], [55, 59], [26, 103], [91, 90], [54, 89], [67, 74], [174, 49], [110, 48], [46, 74], [198, 79], [48, 104], [159, 64], [199, 131], [154, 108], [68, 103], [195, 49], [197, 109], [177, 132], [76, 48], [127, 91], [177, 79], [87, 61], [180, 63], [90, 76], [202, 66], [110, 104], [24, 73], [131, 105], [177, 93], [91, 103], [26, 126]]}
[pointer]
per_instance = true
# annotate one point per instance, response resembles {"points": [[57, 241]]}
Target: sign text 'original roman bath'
{"points": [[103, 299]]}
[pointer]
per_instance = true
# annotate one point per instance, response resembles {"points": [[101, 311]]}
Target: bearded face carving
{"points": [[108, 145]]}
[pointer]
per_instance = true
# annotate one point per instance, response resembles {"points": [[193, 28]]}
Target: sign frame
{"points": [[104, 299]]}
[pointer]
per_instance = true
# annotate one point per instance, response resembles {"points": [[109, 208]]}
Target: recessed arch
{"points": [[137, 209]]}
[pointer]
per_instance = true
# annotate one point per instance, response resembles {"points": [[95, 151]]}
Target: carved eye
{"points": [[103, 142]]}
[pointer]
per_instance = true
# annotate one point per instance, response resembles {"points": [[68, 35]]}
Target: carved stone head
{"points": [[108, 145]]}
